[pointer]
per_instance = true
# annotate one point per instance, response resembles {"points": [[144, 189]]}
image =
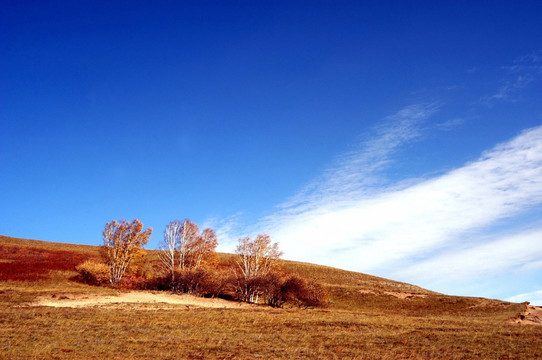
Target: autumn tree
{"points": [[188, 238], [123, 242], [169, 247], [183, 247], [255, 260], [204, 245]]}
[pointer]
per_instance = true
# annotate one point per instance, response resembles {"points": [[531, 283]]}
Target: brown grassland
{"points": [[367, 318]]}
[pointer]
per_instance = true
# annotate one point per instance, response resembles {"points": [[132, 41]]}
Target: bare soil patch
{"points": [[143, 299], [397, 294], [532, 315], [405, 295]]}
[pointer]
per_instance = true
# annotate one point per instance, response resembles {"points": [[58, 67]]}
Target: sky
{"points": [[399, 139]]}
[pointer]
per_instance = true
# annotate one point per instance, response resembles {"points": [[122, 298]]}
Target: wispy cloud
{"points": [[352, 217], [450, 124], [358, 171], [464, 224], [509, 90], [524, 71], [227, 230], [408, 229]]}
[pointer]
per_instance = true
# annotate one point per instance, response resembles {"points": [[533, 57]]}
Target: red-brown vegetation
{"points": [[280, 289], [28, 263], [203, 281]]}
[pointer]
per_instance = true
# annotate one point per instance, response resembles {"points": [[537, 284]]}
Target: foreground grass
{"points": [[95, 333], [363, 321]]}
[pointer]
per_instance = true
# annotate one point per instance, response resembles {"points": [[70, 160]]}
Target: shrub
{"points": [[162, 283], [272, 288], [191, 281], [313, 295], [246, 289], [216, 284], [295, 290], [92, 272], [202, 281], [133, 282]]}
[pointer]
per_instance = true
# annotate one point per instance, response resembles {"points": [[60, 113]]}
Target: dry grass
{"points": [[363, 321]]}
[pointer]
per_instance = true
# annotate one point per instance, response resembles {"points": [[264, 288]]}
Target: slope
{"points": [[368, 317]]}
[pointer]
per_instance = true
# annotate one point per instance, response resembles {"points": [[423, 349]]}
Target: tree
{"points": [[205, 244], [256, 258], [188, 237], [123, 242], [169, 247], [183, 247]]}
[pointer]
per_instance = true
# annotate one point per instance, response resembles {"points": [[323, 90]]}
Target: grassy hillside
{"points": [[368, 317]]}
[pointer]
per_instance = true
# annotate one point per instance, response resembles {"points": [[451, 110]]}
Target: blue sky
{"points": [[401, 139]]}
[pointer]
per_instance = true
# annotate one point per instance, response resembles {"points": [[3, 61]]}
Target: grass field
{"points": [[367, 318]]}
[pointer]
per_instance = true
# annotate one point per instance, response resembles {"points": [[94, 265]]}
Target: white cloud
{"points": [[513, 253], [418, 230], [354, 174], [535, 298], [391, 228], [226, 231]]}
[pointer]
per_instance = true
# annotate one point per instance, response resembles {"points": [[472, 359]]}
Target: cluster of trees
{"points": [[183, 247], [187, 263], [255, 261], [256, 277]]}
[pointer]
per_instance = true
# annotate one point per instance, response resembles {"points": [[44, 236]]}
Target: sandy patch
{"points": [[144, 299], [531, 315], [397, 294], [404, 295]]}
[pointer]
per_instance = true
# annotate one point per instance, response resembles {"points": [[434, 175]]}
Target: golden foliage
{"points": [[256, 257], [183, 247], [123, 243]]}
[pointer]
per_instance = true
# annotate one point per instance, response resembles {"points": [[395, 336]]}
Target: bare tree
{"points": [[122, 242], [169, 246], [256, 258]]}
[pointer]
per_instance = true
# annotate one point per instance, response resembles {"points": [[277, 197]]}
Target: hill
{"points": [[46, 314]]}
